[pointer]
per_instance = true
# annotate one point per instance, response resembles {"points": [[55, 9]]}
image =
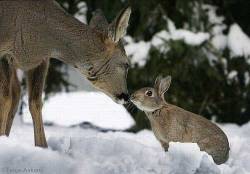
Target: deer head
{"points": [[107, 64]]}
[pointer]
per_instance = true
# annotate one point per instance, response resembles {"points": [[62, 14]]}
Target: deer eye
{"points": [[126, 65], [149, 93]]}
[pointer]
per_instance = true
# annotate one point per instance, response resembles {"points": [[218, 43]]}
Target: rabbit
{"points": [[172, 123]]}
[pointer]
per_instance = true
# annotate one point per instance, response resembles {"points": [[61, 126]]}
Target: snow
{"points": [[247, 78], [138, 51], [17, 158], [187, 157], [219, 41], [213, 18], [75, 150], [232, 74], [218, 38], [189, 37], [238, 41], [82, 12], [67, 109], [78, 81], [160, 38]]}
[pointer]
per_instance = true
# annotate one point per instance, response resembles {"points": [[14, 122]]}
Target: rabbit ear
{"points": [[162, 85], [157, 82]]}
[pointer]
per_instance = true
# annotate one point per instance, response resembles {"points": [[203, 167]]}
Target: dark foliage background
{"points": [[197, 85]]}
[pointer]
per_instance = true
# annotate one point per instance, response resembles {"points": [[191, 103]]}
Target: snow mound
{"points": [[106, 155], [72, 108], [78, 151], [20, 158], [113, 156], [188, 157]]}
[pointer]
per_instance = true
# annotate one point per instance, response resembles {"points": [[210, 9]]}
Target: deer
{"points": [[171, 123], [34, 31]]}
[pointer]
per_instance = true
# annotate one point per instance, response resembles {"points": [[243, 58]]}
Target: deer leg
{"points": [[15, 93], [5, 93], [35, 82]]}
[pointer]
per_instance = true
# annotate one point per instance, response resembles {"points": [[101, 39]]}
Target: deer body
{"points": [[33, 31], [172, 123]]}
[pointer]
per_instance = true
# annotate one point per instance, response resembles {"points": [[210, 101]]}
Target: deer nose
{"points": [[123, 96]]}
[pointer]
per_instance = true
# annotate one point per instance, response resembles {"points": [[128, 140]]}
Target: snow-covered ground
{"points": [[68, 109], [73, 150]]}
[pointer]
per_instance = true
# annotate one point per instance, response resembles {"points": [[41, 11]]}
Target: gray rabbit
{"points": [[171, 123]]}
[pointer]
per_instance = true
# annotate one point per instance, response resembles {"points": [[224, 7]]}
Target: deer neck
{"points": [[73, 42]]}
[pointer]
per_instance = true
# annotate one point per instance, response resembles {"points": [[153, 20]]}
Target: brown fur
{"points": [[33, 31], [172, 123], [9, 95]]}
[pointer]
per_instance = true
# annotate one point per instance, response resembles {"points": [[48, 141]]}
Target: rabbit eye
{"points": [[92, 78], [149, 93]]}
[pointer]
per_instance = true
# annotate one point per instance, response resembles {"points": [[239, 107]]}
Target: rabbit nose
{"points": [[123, 96]]}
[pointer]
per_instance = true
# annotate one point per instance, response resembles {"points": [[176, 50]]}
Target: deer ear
{"points": [[99, 21], [162, 85], [118, 28]]}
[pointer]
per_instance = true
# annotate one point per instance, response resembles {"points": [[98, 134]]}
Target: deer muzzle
{"points": [[122, 98]]}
